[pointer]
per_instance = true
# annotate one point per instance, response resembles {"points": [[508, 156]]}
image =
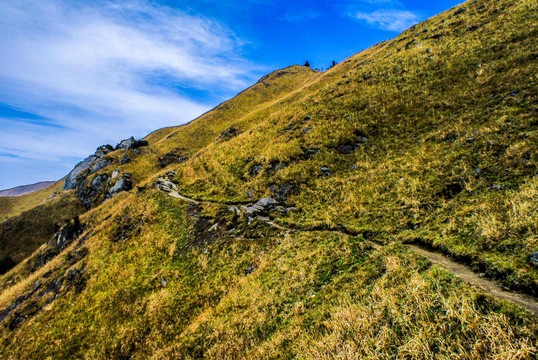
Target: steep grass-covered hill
{"points": [[424, 144]]}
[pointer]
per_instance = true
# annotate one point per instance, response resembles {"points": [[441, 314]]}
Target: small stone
{"points": [[306, 130], [235, 210], [254, 209], [267, 202], [255, 170], [115, 174], [163, 282], [214, 227]]}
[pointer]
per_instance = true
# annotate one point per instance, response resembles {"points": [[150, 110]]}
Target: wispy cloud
{"points": [[388, 15], [390, 20], [106, 71]]}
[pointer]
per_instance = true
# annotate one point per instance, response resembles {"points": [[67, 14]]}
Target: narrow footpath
{"points": [[492, 287]]}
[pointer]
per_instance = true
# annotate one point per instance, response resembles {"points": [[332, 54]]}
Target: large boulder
{"points": [[131, 143], [71, 181], [93, 162]]}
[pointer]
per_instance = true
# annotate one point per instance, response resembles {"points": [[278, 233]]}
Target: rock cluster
{"points": [[98, 161], [260, 209], [164, 182], [91, 164], [87, 191], [131, 143]]}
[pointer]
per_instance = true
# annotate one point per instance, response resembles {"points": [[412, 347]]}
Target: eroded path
{"points": [[492, 287]]}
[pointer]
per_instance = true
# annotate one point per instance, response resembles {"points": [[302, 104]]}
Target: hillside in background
{"points": [[349, 213], [26, 189]]}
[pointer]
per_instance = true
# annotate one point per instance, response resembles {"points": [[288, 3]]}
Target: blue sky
{"points": [[78, 74]]}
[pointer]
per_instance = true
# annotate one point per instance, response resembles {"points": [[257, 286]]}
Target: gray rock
{"points": [[235, 210], [250, 194], [325, 171], [165, 185], [99, 165], [123, 184], [214, 227], [131, 143], [255, 170], [115, 174], [267, 202], [86, 194], [125, 160], [306, 130], [99, 182], [254, 209], [71, 181], [103, 150], [533, 259]]}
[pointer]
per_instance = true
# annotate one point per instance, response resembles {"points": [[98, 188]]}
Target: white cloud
{"points": [[390, 20], [103, 72]]}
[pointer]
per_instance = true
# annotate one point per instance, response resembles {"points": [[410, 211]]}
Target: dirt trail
{"points": [[492, 287]]}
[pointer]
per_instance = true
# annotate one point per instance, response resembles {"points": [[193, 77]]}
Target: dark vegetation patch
{"points": [[173, 157]]}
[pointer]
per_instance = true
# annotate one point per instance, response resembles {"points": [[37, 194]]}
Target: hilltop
{"points": [[340, 214]]}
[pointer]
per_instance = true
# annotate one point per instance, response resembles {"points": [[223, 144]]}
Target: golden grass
{"points": [[448, 113]]}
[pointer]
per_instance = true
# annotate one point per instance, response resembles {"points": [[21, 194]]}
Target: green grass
{"points": [[310, 295], [450, 161]]}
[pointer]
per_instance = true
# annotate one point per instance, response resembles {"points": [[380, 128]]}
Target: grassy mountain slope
{"points": [[428, 138], [14, 205]]}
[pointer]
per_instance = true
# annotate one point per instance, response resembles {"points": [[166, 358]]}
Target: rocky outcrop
{"points": [[90, 165], [131, 143], [86, 194]]}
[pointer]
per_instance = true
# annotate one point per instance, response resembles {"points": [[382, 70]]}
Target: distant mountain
{"points": [[26, 189]]}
